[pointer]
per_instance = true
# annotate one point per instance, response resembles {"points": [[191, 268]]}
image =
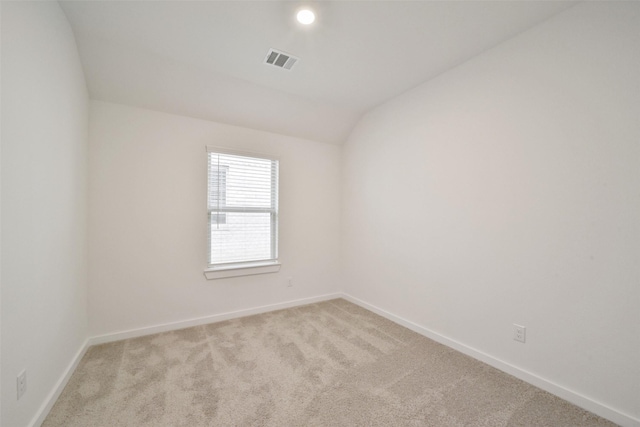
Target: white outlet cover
{"points": [[519, 333], [21, 382]]}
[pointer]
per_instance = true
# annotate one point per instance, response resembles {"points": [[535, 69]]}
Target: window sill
{"points": [[241, 270]]}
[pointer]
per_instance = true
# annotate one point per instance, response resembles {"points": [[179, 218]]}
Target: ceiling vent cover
{"points": [[280, 59]]}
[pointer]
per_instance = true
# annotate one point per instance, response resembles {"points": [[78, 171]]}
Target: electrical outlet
{"points": [[22, 383], [290, 282], [519, 333]]}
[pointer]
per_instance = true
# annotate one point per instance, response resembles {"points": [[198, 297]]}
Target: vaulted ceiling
{"points": [[206, 59]]}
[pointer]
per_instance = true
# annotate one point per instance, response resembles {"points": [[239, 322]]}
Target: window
{"points": [[218, 191], [242, 201]]}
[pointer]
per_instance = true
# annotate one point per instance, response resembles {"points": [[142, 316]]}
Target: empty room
{"points": [[320, 213]]}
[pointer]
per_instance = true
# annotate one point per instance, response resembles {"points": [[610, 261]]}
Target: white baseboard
{"points": [[50, 400], [542, 383], [42, 413], [173, 326], [562, 392]]}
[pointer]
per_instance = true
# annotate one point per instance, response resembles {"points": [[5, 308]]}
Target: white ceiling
{"points": [[205, 59]]}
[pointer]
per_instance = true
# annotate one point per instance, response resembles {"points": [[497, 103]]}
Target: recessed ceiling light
{"points": [[306, 16]]}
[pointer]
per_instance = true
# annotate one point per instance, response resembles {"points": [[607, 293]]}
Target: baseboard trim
{"points": [[173, 326], [542, 383], [51, 398]]}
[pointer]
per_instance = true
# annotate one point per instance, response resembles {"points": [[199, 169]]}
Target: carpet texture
{"points": [[326, 364]]}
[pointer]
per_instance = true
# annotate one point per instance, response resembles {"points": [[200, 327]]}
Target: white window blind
{"points": [[243, 209]]}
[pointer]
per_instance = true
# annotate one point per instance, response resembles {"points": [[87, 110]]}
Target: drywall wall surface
{"points": [[44, 195], [148, 219], [506, 191], [0, 211]]}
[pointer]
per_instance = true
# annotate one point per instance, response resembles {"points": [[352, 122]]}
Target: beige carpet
{"points": [[325, 364]]}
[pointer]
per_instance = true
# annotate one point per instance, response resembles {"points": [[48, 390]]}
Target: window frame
{"points": [[248, 267]]}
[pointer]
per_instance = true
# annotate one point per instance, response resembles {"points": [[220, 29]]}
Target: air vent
{"points": [[280, 59]]}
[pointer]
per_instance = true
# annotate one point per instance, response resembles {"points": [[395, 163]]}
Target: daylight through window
{"points": [[243, 209]]}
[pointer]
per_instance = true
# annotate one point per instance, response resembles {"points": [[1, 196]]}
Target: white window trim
{"points": [[222, 150], [248, 268]]}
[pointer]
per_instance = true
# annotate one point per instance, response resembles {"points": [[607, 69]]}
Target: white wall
{"points": [[0, 211], [147, 219], [506, 191], [44, 183]]}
